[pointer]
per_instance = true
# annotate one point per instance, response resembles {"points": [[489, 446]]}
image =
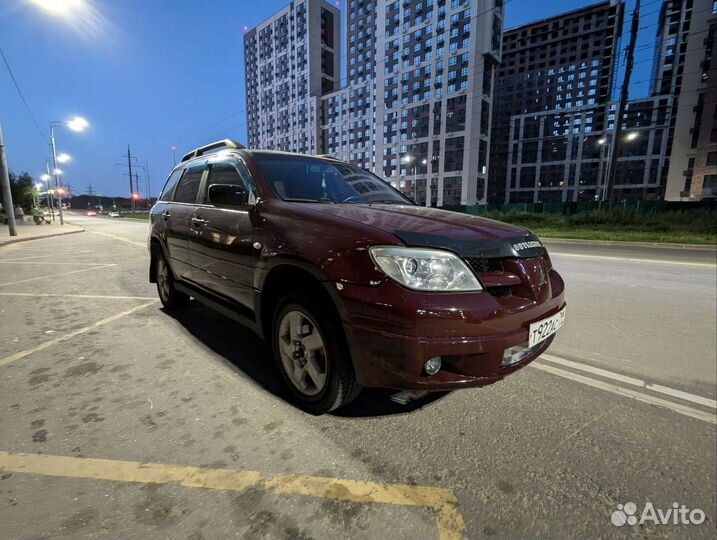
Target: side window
{"points": [[169, 185], [188, 186], [224, 173]]}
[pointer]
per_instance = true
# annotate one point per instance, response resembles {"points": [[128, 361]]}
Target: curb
{"points": [[15, 240], [666, 245]]}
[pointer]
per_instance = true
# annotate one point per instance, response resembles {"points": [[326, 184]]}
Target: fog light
{"points": [[433, 365], [518, 353]]}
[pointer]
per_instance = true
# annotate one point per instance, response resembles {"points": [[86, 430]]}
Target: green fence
{"points": [[632, 207]]}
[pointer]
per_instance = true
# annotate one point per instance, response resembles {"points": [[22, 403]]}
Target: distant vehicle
{"points": [[351, 283], [114, 213], [91, 213]]}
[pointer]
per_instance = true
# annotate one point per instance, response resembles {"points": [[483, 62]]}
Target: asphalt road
{"points": [[96, 381]]}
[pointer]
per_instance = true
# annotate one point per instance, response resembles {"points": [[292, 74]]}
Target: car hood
{"points": [[466, 235]]}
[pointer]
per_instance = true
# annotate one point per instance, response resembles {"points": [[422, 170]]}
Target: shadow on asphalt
{"points": [[251, 356]]}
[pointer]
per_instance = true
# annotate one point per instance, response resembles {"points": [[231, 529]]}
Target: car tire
{"points": [[171, 298], [304, 333]]}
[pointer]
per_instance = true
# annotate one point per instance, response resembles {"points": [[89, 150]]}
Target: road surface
{"points": [[96, 381]]}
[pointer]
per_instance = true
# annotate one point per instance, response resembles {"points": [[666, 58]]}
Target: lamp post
{"points": [[6, 194], [76, 124], [428, 198]]}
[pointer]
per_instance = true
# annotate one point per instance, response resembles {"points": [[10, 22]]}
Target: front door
{"points": [[221, 241], [177, 216]]}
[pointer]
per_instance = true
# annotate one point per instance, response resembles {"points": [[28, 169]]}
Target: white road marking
{"points": [[53, 263], [58, 295], [120, 238], [50, 343], [686, 396], [53, 254], [56, 275], [631, 259], [710, 418]]}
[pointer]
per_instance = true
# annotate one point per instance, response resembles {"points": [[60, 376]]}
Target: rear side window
{"points": [[188, 186], [225, 173], [169, 185]]}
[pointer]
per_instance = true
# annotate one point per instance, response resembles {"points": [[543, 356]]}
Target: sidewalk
{"points": [[30, 231]]}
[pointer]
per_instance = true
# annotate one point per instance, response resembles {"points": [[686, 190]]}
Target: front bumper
{"points": [[393, 331]]}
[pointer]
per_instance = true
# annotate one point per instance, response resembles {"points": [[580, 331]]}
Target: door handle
{"points": [[166, 215], [198, 222]]}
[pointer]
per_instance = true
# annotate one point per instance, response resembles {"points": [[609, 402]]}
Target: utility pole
{"points": [[6, 193], [136, 187], [614, 151], [146, 187], [129, 166]]}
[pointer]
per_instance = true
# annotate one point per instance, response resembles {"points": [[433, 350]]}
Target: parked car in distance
{"points": [[114, 213], [91, 212], [352, 284]]}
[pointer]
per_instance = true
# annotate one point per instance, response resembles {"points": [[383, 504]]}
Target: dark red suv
{"points": [[352, 283]]}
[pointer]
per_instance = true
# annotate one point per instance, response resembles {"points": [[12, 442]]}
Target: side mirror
{"points": [[228, 195]]}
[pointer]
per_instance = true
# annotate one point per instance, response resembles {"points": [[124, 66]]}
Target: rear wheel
{"points": [[310, 350], [170, 297]]}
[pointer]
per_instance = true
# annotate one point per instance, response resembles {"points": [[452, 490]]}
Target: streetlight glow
{"points": [[602, 141], [78, 124], [58, 171], [631, 136], [45, 177], [63, 158], [60, 7]]}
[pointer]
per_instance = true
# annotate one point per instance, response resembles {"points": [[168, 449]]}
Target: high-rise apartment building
{"points": [[290, 61], [416, 108], [686, 66], [552, 106], [434, 92]]}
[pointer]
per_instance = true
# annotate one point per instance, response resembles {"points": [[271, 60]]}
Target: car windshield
{"points": [[307, 179]]}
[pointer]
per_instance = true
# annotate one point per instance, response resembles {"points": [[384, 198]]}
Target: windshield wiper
{"points": [[296, 199]]}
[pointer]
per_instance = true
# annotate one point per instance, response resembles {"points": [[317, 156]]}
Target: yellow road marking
{"points": [[120, 238], [54, 275], [50, 343], [59, 295], [448, 519]]}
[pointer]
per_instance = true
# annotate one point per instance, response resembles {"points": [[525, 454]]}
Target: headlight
{"points": [[425, 269]]}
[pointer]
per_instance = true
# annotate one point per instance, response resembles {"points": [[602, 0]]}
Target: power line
{"points": [[22, 97]]}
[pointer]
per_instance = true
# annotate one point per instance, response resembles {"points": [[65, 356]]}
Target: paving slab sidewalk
{"points": [[30, 231]]}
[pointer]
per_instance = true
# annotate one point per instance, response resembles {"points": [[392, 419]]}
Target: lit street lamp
{"points": [[63, 158], [75, 124]]}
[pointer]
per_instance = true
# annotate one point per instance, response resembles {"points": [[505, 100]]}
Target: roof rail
{"points": [[224, 143]]}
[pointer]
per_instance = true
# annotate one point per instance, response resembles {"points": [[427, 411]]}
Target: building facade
{"points": [[416, 108], [686, 66], [290, 61], [552, 106]]}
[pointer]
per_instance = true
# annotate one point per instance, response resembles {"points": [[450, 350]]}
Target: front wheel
{"points": [[170, 297], [312, 355]]}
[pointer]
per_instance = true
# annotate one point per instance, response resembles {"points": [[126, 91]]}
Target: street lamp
{"points": [[75, 124], [60, 7], [63, 158]]}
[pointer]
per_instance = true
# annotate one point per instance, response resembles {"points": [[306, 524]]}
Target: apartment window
{"points": [[711, 159]]}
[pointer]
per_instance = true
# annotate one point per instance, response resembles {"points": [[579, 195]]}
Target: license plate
{"points": [[542, 330]]}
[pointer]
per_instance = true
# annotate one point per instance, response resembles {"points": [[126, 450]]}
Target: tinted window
{"points": [[169, 185], [224, 173], [189, 185], [305, 179]]}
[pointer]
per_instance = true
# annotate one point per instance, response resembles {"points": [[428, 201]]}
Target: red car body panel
{"points": [[392, 330]]}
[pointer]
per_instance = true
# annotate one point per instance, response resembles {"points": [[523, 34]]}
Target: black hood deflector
{"points": [[499, 248]]}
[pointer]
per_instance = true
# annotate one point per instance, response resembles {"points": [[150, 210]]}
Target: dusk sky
{"points": [[156, 74]]}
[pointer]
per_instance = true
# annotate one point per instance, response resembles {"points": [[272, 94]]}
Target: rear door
{"points": [[221, 242], [178, 215]]}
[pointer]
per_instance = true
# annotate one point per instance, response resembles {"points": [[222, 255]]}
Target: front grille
{"points": [[484, 265], [481, 265]]}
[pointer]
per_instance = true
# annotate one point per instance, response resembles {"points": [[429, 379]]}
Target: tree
{"points": [[22, 188]]}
